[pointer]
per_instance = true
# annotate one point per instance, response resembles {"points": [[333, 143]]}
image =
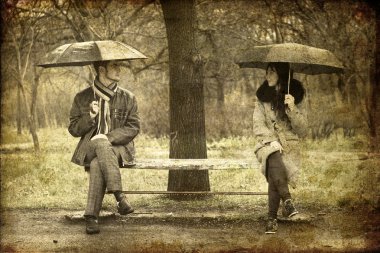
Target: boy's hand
{"points": [[94, 109], [99, 136]]}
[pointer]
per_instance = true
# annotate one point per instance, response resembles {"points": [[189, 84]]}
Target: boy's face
{"points": [[112, 71]]}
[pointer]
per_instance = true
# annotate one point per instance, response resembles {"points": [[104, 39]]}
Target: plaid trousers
{"points": [[104, 174]]}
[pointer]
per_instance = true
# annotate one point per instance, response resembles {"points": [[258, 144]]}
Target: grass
{"points": [[332, 173]]}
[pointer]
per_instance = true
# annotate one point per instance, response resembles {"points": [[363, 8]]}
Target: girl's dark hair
{"points": [[276, 97], [282, 69]]}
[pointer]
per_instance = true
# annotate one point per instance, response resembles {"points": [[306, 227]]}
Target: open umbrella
{"points": [[85, 53], [302, 59]]}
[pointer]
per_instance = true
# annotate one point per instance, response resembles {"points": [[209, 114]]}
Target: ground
{"points": [[188, 230], [43, 196]]}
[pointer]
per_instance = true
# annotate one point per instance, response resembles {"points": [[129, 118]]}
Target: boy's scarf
{"points": [[105, 94]]}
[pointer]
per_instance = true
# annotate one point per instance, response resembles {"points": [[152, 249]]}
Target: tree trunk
{"points": [[33, 108], [375, 82], [31, 122], [187, 117], [223, 128], [18, 123], [44, 106], [220, 98]]}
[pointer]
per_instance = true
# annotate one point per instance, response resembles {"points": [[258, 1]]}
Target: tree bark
{"points": [[375, 105], [187, 116]]}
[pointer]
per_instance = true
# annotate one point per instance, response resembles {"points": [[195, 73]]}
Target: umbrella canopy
{"points": [[84, 53], [302, 59]]}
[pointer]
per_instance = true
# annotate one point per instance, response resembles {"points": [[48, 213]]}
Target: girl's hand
{"points": [[289, 100], [276, 145]]}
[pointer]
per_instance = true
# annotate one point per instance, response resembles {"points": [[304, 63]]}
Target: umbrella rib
{"points": [[141, 55], [100, 54]]}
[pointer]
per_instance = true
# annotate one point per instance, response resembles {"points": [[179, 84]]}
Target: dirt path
{"points": [[26, 230]]}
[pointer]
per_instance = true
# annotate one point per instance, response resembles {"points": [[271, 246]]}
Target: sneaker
{"points": [[288, 209], [92, 226], [271, 226], [123, 207]]}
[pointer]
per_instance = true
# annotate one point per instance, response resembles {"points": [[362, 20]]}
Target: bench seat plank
{"points": [[195, 193], [196, 164]]}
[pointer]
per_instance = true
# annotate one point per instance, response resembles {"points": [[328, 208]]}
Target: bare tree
{"points": [[23, 30]]}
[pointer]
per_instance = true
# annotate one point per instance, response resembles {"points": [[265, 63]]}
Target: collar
{"points": [[266, 93]]}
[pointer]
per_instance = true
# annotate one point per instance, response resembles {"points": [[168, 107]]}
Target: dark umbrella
{"points": [[302, 59], [85, 53]]}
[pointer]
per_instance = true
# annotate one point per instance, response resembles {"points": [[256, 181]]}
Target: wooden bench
{"points": [[195, 164]]}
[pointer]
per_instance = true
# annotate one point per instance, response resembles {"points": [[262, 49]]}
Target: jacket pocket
{"points": [[118, 117]]}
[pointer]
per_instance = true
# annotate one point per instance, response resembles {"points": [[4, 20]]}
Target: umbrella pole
{"points": [[289, 80]]}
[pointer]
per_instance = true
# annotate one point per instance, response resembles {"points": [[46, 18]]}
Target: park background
{"points": [[340, 152]]}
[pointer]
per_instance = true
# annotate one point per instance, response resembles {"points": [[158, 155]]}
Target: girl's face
{"points": [[272, 76]]}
